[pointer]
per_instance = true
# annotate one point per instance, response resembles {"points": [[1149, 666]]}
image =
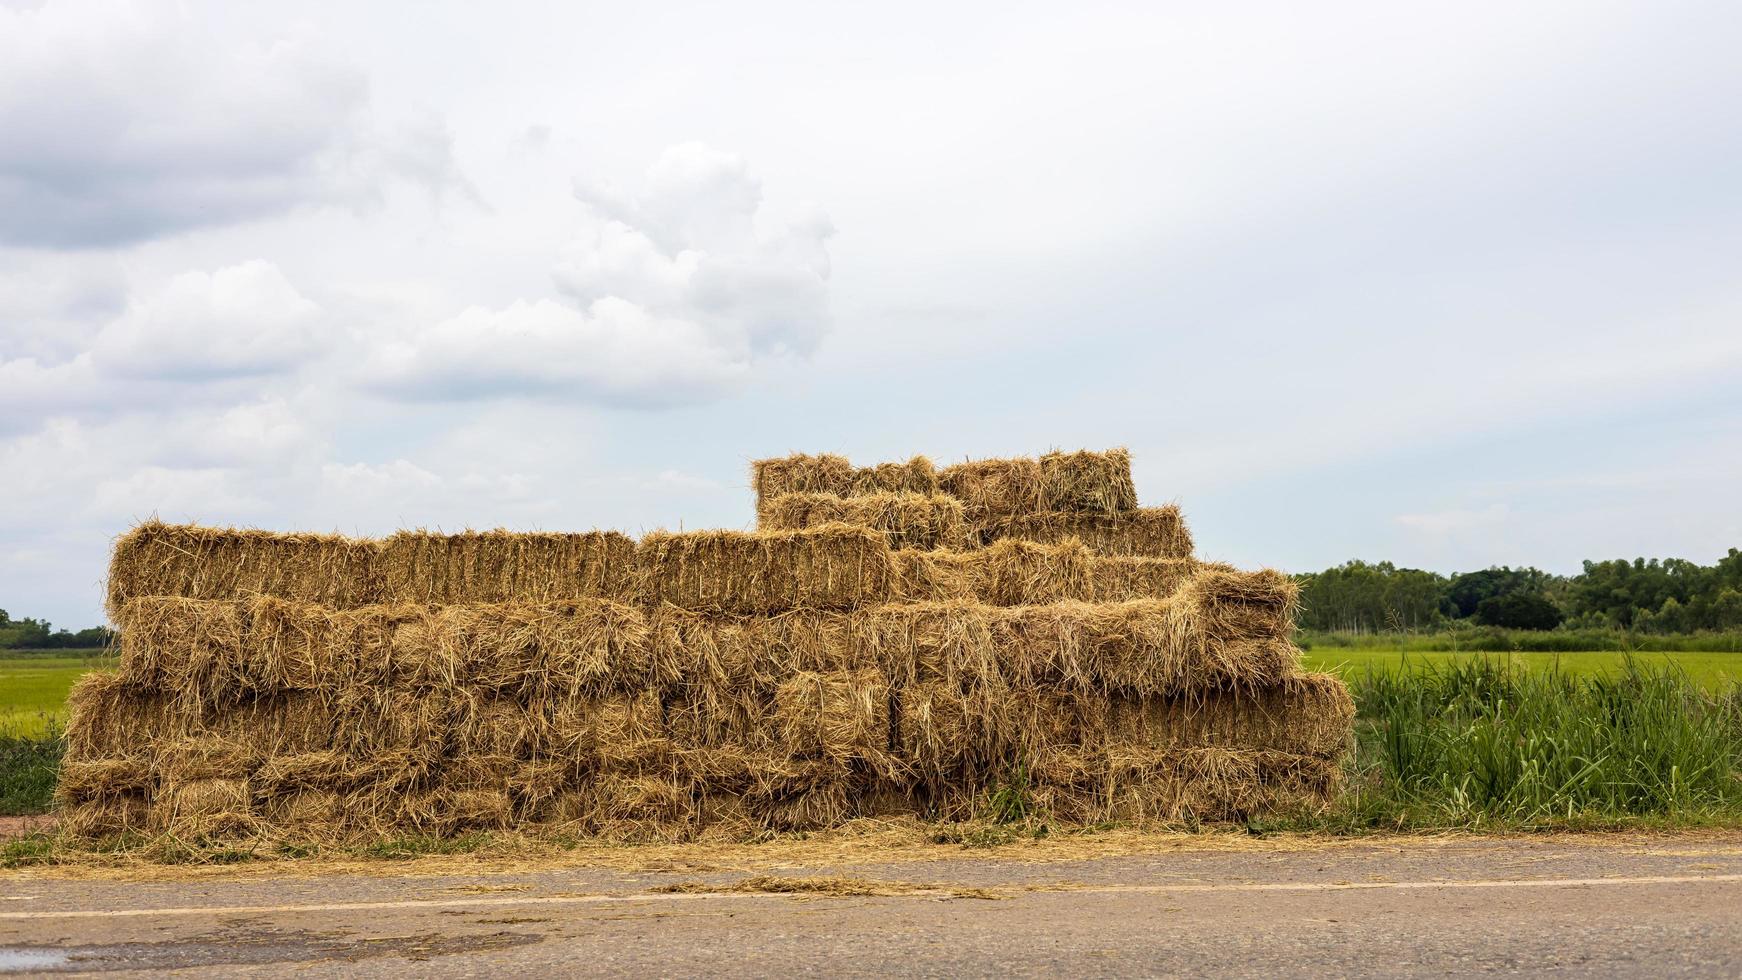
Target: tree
{"points": [[1519, 610]]}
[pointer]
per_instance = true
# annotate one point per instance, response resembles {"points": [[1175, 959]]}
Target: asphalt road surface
{"points": [[1548, 906]]}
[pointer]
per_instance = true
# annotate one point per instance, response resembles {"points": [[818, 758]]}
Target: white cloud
{"points": [[675, 293], [124, 121], [239, 321]]}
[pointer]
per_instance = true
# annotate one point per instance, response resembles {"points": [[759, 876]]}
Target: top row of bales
{"points": [[989, 489], [1059, 497]]}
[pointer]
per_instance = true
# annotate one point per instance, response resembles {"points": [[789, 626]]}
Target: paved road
{"points": [[1541, 907]]}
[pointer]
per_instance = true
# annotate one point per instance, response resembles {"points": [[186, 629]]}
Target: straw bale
{"points": [[158, 559], [107, 716], [908, 520], [1308, 714], [1078, 482], [1180, 785], [944, 731], [834, 566], [190, 648], [1009, 573], [949, 641], [287, 724], [804, 803], [380, 721], [504, 566], [320, 770], [443, 811], [1155, 532], [626, 731], [641, 806], [206, 808], [827, 473], [198, 758], [834, 716], [726, 656], [1232, 605], [107, 816], [552, 649], [537, 786], [307, 812], [501, 726], [86, 780], [1121, 578], [1088, 481]]}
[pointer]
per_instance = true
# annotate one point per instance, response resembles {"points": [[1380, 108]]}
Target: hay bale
{"points": [[640, 806], [1079, 482], [1150, 646], [835, 566], [833, 716], [1121, 578], [504, 566], [192, 562], [836, 475], [1009, 573], [946, 733], [625, 731], [189, 648], [198, 758], [908, 520], [323, 770], [307, 813], [1238, 605], [1309, 714], [1155, 532], [498, 726], [1016, 572], [206, 809], [107, 716], [95, 779], [107, 816], [1181, 786]]}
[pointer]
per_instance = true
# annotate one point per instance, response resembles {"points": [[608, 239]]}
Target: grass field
{"points": [[33, 690], [1713, 671]]}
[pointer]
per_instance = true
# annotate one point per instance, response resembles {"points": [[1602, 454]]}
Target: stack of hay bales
{"points": [[893, 639]]}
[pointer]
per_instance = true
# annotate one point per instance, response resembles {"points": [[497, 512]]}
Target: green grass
{"points": [[1713, 671], [1480, 743], [34, 686]]}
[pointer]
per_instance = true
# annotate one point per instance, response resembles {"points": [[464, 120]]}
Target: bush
{"points": [[1520, 610]]}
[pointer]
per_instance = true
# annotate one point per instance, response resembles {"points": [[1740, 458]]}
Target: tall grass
{"points": [[1475, 743], [29, 764]]}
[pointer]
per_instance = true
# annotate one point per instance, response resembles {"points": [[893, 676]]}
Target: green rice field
{"points": [[33, 690], [1712, 671]]}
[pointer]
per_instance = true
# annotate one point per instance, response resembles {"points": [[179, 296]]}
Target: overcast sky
{"points": [[1449, 284]]}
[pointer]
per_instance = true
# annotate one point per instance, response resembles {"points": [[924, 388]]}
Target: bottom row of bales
{"points": [[815, 750]]}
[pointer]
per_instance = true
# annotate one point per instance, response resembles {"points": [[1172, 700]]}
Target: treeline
{"points": [[34, 634], [1668, 595]]}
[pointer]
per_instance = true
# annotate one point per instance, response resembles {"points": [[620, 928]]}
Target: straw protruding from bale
{"points": [[909, 520]]}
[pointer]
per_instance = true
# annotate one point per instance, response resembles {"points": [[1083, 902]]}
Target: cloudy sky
{"points": [[1449, 284]]}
